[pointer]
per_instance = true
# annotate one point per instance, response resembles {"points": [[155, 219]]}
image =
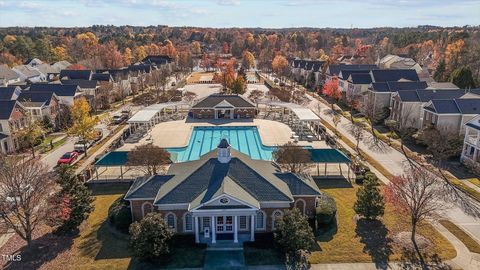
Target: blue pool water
{"points": [[205, 139]]}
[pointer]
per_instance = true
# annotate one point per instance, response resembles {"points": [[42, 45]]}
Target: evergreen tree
{"points": [[463, 78], [78, 198], [439, 74], [293, 232], [370, 203]]}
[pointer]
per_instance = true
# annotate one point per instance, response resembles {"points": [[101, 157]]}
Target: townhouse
{"points": [[65, 93], [471, 145], [8, 76], [407, 106], [449, 116], [12, 120], [379, 94], [39, 104]]}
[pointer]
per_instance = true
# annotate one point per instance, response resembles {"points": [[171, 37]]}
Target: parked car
{"points": [[68, 158], [118, 119], [81, 146]]}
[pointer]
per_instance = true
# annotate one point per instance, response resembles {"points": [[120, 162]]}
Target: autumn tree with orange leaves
{"points": [[331, 89]]}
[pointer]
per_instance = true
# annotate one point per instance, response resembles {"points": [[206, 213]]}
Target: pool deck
{"points": [[177, 133]]}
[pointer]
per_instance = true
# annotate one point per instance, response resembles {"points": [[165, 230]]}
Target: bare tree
{"points": [[373, 115], [189, 97], [292, 158], [25, 189], [256, 95], [160, 79], [418, 195], [356, 129], [148, 158]]}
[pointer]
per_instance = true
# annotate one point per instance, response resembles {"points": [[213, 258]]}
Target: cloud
{"points": [[228, 2]]}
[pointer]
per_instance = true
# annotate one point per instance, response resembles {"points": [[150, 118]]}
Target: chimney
{"points": [[223, 154]]}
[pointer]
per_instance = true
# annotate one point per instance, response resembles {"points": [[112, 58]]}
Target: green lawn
{"points": [[367, 243], [98, 248]]}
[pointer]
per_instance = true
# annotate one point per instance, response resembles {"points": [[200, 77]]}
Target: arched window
{"points": [[147, 207], [188, 222], [276, 215], [171, 221], [260, 220], [300, 204]]}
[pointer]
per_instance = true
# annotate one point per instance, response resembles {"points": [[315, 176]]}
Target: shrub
{"points": [[293, 232], [150, 237], [119, 215], [326, 210]]}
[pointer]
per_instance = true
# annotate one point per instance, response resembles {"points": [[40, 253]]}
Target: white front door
{"points": [[224, 224]]}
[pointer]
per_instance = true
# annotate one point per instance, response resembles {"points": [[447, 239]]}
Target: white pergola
{"points": [[154, 114], [299, 114]]}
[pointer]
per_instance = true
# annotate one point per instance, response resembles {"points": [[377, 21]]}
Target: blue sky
{"points": [[241, 13]]}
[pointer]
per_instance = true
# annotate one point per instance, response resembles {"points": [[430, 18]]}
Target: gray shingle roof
{"points": [[335, 69], [344, 74], [212, 100], [81, 83], [455, 106], [425, 95], [360, 78], [146, 188], [59, 89], [443, 106], [6, 93], [389, 75], [72, 74], [211, 175], [7, 74], [104, 77], [397, 86], [6, 108], [297, 185], [36, 98]]}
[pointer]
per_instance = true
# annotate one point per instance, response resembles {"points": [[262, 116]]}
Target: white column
{"points": [[196, 228], [252, 228], [213, 229], [235, 229]]}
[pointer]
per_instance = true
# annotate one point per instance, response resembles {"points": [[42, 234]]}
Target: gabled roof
{"points": [[214, 100], [104, 77], [298, 185], [206, 174], [27, 71], [227, 187], [344, 74], [157, 59], [71, 74], [360, 78], [146, 188], [389, 75], [8, 74], [8, 93], [454, 106], [140, 67], [6, 108], [36, 98], [335, 69], [60, 90], [425, 95], [46, 69], [115, 73], [397, 86], [474, 122], [84, 84]]}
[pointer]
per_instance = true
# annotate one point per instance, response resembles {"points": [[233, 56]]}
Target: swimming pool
{"points": [[205, 139]]}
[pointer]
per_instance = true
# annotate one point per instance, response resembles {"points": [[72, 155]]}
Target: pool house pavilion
{"points": [[225, 195]]}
